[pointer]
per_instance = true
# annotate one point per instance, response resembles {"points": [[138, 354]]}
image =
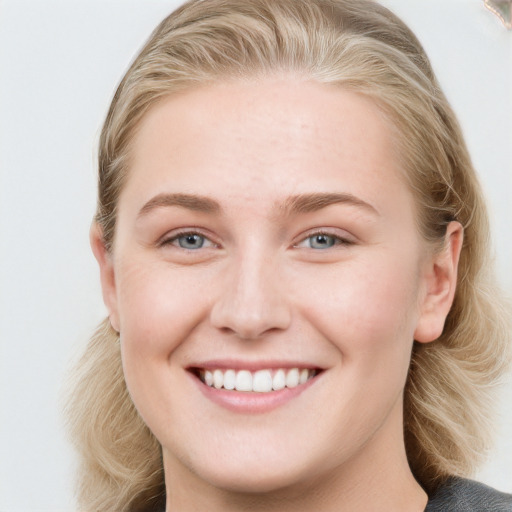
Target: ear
{"points": [[440, 283], [107, 275]]}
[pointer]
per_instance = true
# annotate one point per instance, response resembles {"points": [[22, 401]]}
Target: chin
{"points": [[258, 482], [242, 475]]}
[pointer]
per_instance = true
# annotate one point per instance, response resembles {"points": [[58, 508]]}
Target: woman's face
{"points": [[264, 228]]}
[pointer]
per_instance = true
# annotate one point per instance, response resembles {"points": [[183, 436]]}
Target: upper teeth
{"points": [[261, 381]]}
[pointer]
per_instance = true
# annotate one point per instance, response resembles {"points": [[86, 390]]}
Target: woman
{"points": [[293, 253]]}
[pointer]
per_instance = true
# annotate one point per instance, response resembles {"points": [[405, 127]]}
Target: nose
{"points": [[252, 300]]}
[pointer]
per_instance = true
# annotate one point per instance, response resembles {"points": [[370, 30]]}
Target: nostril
{"points": [[249, 326], [250, 304]]}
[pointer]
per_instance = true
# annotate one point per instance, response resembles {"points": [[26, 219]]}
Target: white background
{"points": [[59, 64]]}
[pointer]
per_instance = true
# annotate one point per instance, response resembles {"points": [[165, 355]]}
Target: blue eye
{"points": [[190, 241], [321, 241]]}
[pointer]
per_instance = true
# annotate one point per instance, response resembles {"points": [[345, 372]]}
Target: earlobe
{"points": [[440, 285], [107, 275]]}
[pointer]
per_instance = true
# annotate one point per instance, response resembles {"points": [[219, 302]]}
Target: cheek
{"points": [[367, 305], [158, 305]]}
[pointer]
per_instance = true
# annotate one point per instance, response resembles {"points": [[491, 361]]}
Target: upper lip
{"points": [[252, 366]]}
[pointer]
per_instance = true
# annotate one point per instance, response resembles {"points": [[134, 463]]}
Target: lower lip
{"points": [[251, 402]]}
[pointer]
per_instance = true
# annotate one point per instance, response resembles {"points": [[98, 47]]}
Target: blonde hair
{"points": [[359, 46]]}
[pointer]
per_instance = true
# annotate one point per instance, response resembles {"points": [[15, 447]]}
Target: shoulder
{"points": [[462, 495]]}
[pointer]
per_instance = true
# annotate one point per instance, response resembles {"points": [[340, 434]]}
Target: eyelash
{"points": [[188, 233], [337, 240]]}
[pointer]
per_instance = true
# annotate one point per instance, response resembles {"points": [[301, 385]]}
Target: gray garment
{"points": [[461, 495]]}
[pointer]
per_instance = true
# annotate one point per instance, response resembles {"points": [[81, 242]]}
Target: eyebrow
{"points": [[302, 203], [189, 201], [307, 203]]}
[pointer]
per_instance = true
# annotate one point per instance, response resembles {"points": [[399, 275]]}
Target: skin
{"points": [[258, 290]]}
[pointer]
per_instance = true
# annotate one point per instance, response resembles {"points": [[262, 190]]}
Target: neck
{"points": [[402, 495]]}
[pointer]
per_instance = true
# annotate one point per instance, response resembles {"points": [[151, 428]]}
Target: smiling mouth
{"points": [[261, 381]]}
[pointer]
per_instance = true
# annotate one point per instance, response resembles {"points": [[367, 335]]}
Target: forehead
{"points": [[259, 142]]}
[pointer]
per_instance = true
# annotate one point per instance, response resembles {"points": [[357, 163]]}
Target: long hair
{"points": [[358, 46]]}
